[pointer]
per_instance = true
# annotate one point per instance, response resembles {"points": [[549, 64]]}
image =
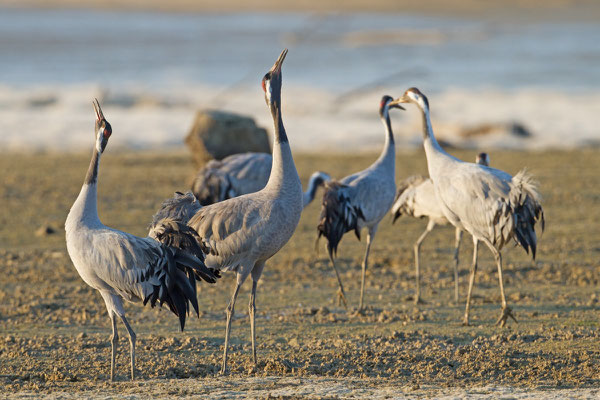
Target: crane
{"points": [[490, 204], [126, 267], [245, 231], [416, 197], [360, 200]]}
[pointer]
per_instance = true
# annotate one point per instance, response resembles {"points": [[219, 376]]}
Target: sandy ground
{"points": [[524, 9], [54, 332]]}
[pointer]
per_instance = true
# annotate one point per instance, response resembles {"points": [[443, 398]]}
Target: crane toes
{"points": [[341, 298], [506, 313], [418, 301], [359, 312]]}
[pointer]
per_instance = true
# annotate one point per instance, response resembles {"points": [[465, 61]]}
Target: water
{"points": [[54, 61]]}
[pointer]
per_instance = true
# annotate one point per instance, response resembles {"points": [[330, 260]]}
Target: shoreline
{"points": [[519, 10]]}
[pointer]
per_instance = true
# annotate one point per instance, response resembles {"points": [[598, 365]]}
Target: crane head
{"points": [[103, 128], [271, 82], [483, 159], [413, 95], [386, 104]]}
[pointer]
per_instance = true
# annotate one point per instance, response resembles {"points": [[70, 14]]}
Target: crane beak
{"points": [[276, 68], [396, 103], [98, 110]]}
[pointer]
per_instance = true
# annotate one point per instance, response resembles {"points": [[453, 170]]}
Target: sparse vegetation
{"points": [[54, 332]]}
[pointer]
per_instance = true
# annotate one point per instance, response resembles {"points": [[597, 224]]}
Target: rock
{"points": [[81, 336], [218, 134], [510, 129], [45, 230]]}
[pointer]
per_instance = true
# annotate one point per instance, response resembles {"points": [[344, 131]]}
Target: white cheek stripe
{"points": [[268, 91], [99, 140]]}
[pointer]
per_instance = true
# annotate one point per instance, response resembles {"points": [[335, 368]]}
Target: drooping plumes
{"points": [[338, 216], [527, 210], [181, 207]]}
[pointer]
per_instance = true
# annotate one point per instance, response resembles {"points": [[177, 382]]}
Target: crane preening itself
{"points": [[416, 197], [493, 206], [122, 266], [245, 231], [240, 174], [360, 200]]}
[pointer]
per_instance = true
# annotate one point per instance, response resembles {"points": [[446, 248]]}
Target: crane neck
{"points": [[85, 208], [283, 170], [388, 154], [92, 173], [280, 135], [429, 140], [433, 151], [309, 195]]}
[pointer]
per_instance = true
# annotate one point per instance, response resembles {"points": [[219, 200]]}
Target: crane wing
{"points": [[142, 268], [231, 228], [406, 196], [248, 172], [489, 203]]}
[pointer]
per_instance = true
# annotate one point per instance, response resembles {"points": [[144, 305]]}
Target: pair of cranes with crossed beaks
{"points": [[190, 242]]}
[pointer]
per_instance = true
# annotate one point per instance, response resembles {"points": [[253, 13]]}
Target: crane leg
{"points": [[252, 311], [114, 340], [341, 297], [370, 237], [506, 310], [457, 239], [132, 338], [417, 250], [230, 311], [471, 280]]}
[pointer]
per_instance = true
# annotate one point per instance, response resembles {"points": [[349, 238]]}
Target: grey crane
{"points": [[245, 231], [416, 197], [493, 206], [125, 267], [360, 200], [240, 174]]}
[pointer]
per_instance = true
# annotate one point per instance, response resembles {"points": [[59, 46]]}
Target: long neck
{"points": [[309, 195], [433, 150], [283, 170], [92, 173], [388, 154], [85, 207]]}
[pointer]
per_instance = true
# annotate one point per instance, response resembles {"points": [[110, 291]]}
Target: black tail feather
{"points": [[182, 265], [338, 216], [527, 214]]}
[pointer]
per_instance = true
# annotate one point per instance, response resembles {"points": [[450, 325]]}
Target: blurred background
{"points": [[514, 74]]}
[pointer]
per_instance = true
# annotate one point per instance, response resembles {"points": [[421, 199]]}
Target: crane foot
{"points": [[341, 298], [359, 311], [506, 313], [418, 300]]}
